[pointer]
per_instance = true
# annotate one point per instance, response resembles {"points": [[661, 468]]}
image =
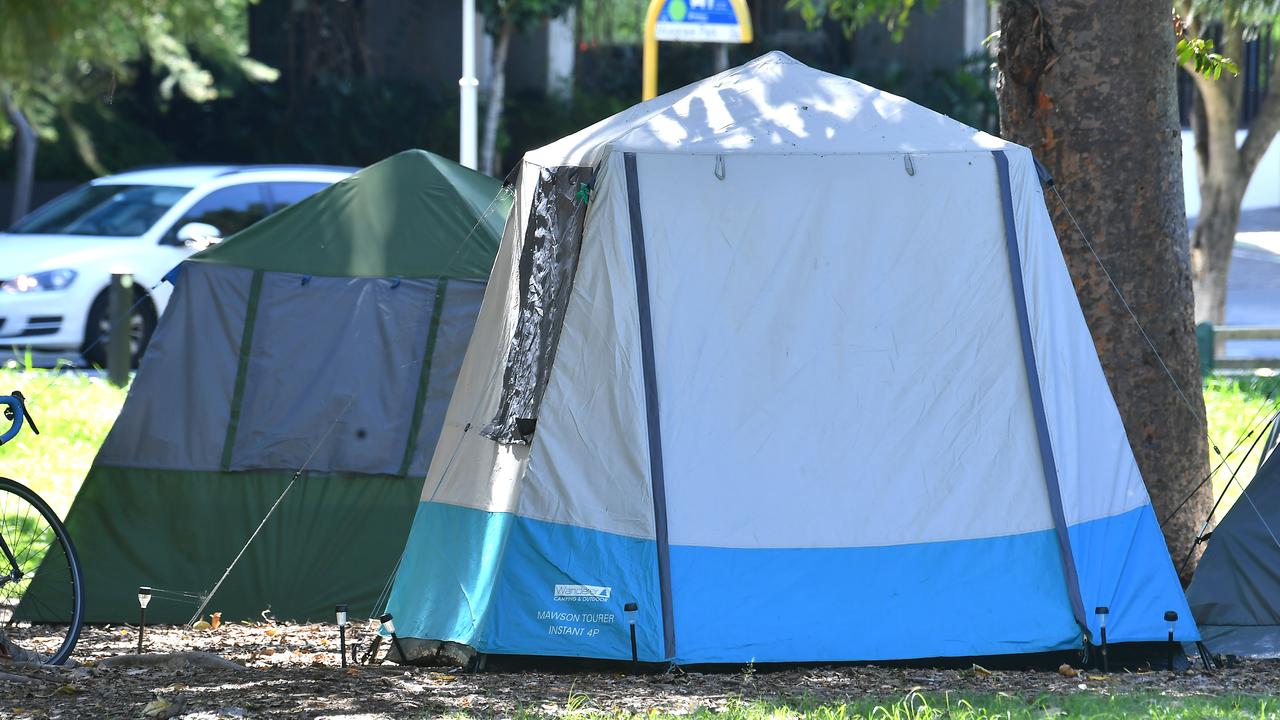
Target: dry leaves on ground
{"points": [[293, 671]]}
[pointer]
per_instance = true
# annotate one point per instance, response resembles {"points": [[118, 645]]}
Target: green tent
{"points": [[325, 338]]}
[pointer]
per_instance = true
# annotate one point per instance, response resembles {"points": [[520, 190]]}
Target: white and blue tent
{"points": [[795, 367]]}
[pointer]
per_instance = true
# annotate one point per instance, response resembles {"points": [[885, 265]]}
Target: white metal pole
{"points": [[722, 57], [468, 84]]}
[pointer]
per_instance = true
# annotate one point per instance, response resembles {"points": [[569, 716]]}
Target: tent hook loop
{"points": [[909, 164], [720, 167]]}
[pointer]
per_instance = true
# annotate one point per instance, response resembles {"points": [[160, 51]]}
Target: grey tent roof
{"points": [[1235, 595]]}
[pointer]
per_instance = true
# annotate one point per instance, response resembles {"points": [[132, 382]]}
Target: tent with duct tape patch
{"points": [[324, 342], [779, 367]]}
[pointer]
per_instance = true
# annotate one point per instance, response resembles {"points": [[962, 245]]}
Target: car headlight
{"points": [[34, 282]]}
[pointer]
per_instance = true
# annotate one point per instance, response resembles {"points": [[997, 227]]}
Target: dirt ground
{"points": [[293, 671]]}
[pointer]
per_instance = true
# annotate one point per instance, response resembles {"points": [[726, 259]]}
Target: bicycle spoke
{"points": [[47, 591]]}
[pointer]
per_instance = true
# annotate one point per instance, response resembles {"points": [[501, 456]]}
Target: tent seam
{"points": [[242, 367], [424, 378], [1054, 489], [649, 367]]}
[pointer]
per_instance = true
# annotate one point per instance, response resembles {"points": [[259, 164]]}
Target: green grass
{"points": [[1238, 408], [74, 413], [953, 706]]}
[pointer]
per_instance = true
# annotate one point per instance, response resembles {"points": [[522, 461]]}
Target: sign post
{"points": [[704, 21]]}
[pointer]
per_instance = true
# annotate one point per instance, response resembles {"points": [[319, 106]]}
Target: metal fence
{"points": [[1212, 340]]}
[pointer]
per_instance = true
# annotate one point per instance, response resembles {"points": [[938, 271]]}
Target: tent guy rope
{"points": [[1201, 536], [1251, 427], [296, 475], [1159, 358], [1048, 181]]}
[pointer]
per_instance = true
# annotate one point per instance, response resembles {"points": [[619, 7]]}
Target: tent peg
{"points": [[1205, 657]]}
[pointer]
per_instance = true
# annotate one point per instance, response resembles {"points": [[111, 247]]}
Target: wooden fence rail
{"points": [[1212, 339]]}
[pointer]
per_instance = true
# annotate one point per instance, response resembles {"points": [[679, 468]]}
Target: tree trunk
{"points": [[24, 144], [497, 95], [1223, 171], [1093, 94], [1211, 243]]}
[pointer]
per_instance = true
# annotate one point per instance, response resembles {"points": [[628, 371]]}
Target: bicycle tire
{"points": [[75, 578]]}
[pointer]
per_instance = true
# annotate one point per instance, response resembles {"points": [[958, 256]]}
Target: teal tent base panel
{"points": [[335, 538]]}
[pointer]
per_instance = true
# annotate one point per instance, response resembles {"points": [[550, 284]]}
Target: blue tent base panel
{"points": [[507, 584], [510, 585]]}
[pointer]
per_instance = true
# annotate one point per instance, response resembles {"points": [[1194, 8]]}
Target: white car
{"points": [[56, 263]]}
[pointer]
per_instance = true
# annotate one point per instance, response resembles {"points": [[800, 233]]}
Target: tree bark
{"points": [[24, 144], [1093, 94], [497, 95]]}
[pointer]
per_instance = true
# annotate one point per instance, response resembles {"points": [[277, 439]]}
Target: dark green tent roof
{"points": [[413, 215]]}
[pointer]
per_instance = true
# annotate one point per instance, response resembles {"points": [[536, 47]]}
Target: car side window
{"points": [[284, 194], [230, 209]]}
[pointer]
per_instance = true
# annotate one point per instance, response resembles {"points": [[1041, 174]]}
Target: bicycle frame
{"points": [[15, 572], [15, 406]]}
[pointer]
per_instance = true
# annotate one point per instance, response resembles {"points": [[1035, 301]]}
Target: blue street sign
{"points": [[717, 21]]}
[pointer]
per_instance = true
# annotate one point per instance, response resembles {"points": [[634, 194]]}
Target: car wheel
{"points": [[142, 323]]}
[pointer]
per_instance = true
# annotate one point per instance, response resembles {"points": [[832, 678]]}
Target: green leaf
{"points": [[1198, 53], [853, 15]]}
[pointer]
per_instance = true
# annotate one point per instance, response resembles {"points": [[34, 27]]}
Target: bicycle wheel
{"points": [[43, 625]]}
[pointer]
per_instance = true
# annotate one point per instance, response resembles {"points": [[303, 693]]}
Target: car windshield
{"points": [[103, 210]]}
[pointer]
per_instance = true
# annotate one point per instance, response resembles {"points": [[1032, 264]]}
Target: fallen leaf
{"points": [[68, 689], [201, 625], [215, 621], [981, 670], [1097, 677], [156, 707], [1066, 670]]}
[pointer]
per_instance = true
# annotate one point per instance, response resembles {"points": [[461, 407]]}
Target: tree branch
{"points": [[1191, 27], [1265, 126], [1200, 132], [1233, 46], [24, 144], [83, 142], [1216, 136]]}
